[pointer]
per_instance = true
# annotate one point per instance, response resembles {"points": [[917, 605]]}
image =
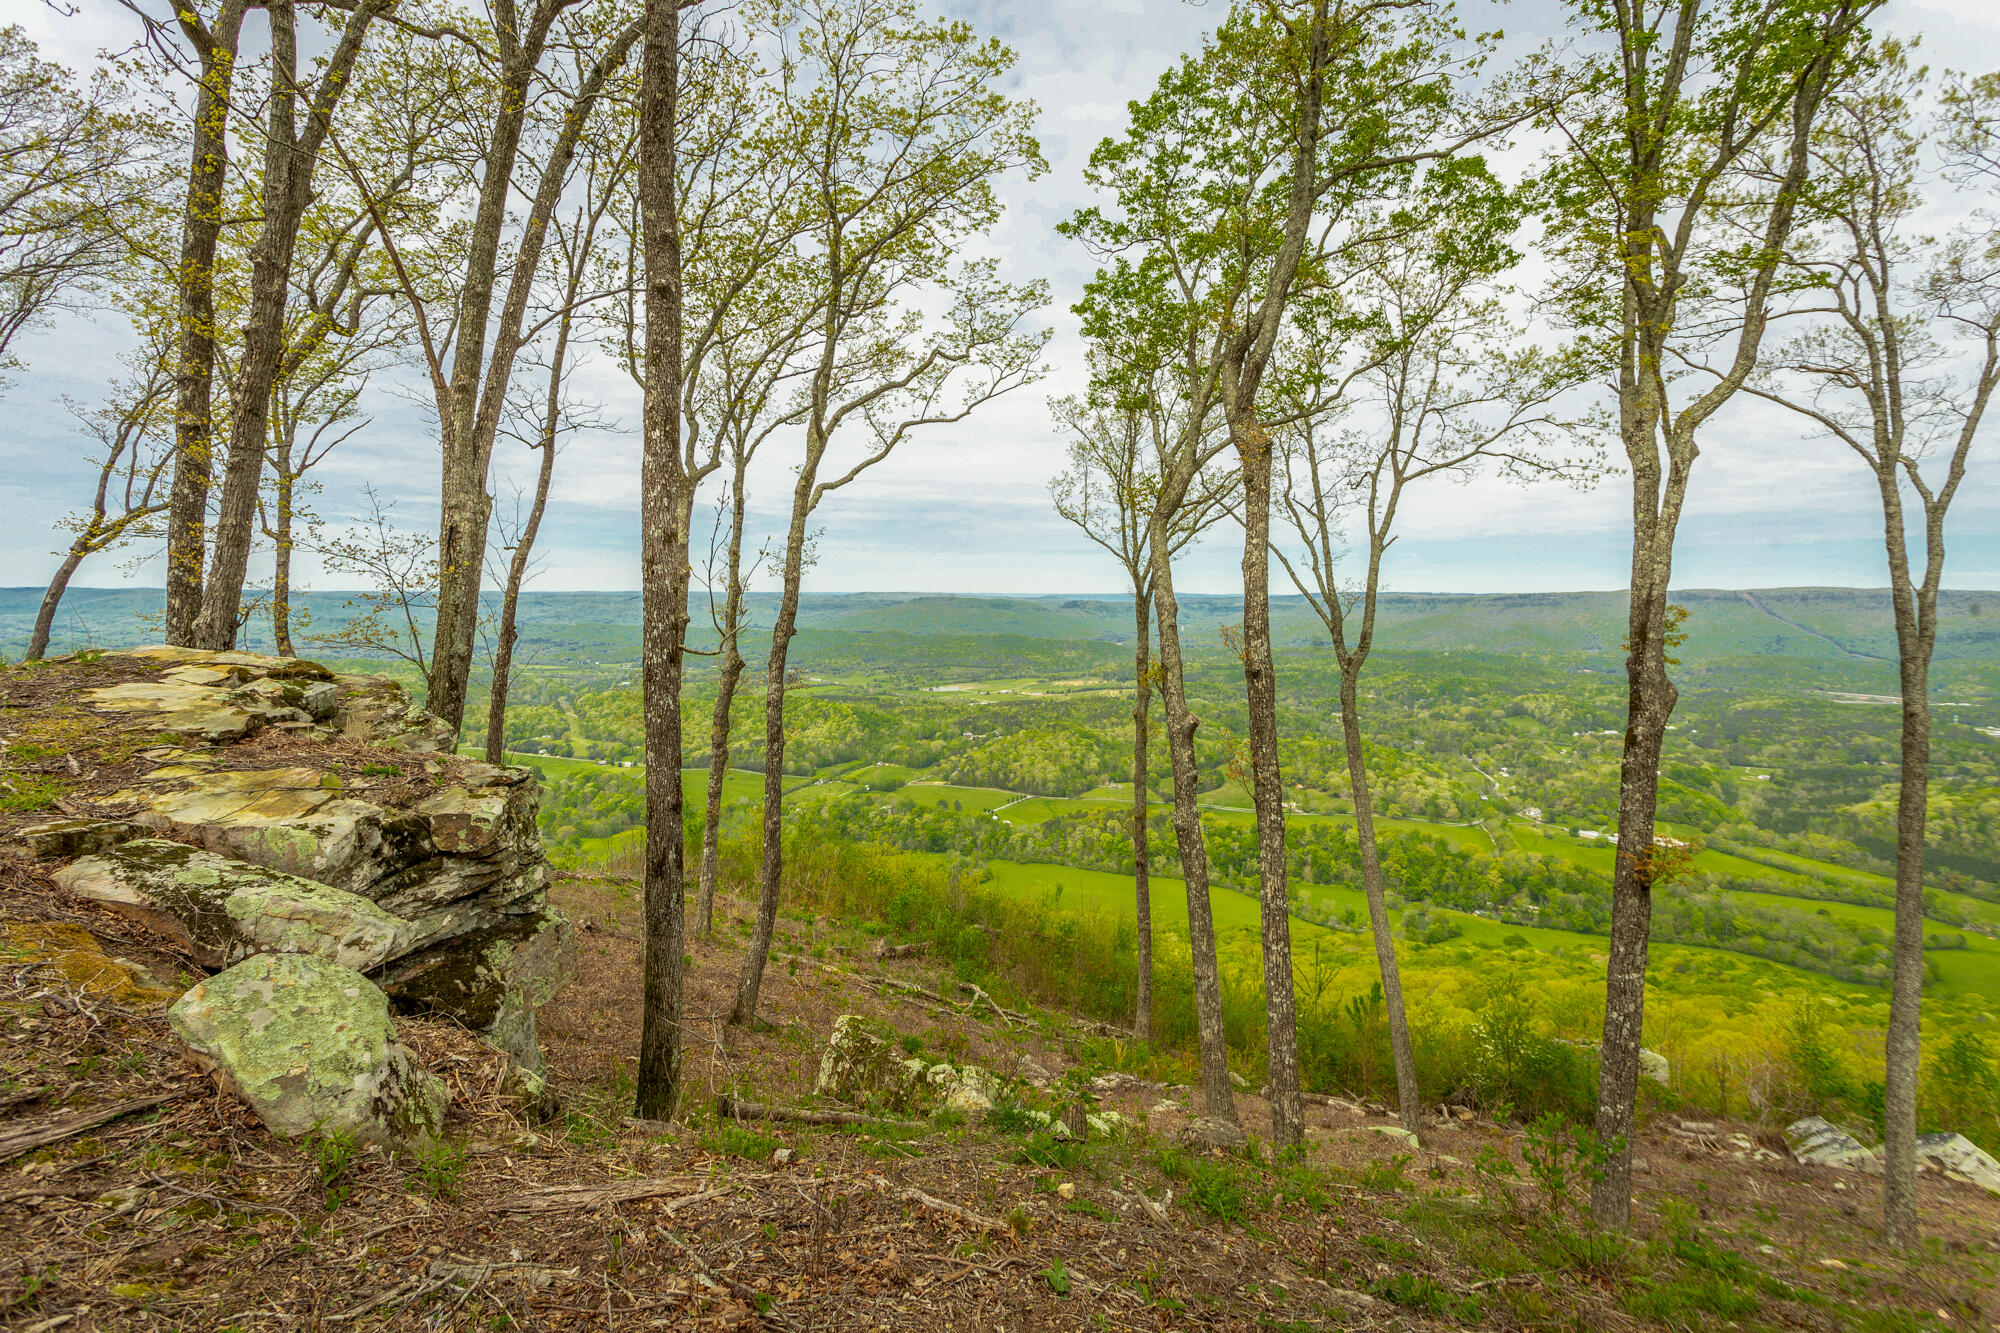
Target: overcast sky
{"points": [[966, 509]]}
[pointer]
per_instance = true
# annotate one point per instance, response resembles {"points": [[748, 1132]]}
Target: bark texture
{"points": [[1142, 865], [1218, 1101], [1288, 1126], [290, 157], [667, 503], [729, 675], [194, 388]]}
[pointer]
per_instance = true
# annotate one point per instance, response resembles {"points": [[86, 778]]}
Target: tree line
{"points": [[1310, 305]]}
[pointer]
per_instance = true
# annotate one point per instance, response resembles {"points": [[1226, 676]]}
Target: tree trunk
{"points": [[263, 341], [667, 502], [289, 161], [194, 372], [1218, 1100], [1400, 1050], [472, 413], [1650, 700], [1916, 636], [281, 545], [1260, 685], [719, 726], [517, 574], [45, 619], [1142, 698], [751, 983]]}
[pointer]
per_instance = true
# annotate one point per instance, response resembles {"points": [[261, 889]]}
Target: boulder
{"points": [[1653, 1065], [1395, 1132], [74, 837], [861, 1067], [492, 979], [966, 1088], [1212, 1132], [1959, 1158], [1819, 1142], [311, 1047], [223, 911]]}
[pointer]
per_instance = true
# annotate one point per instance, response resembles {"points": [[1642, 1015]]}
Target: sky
{"points": [[966, 509]]}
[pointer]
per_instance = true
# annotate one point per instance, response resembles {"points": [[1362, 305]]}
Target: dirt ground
{"points": [[188, 1215]]}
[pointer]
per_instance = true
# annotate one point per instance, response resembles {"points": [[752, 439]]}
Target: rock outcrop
{"points": [[222, 910], [258, 825], [861, 1066], [1819, 1142], [311, 1047], [1958, 1158]]}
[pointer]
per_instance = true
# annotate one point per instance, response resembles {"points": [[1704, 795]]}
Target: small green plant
{"points": [[1419, 1291], [733, 1140], [332, 1154], [1057, 1277], [1045, 1150], [1216, 1189], [1562, 1158], [440, 1166], [1387, 1177]]}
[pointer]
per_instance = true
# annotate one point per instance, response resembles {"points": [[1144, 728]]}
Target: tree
{"points": [[400, 570], [549, 419], [666, 505], [1229, 184], [71, 170], [315, 400], [1898, 364], [1668, 243], [904, 135], [291, 158], [1450, 389], [214, 39], [521, 98], [128, 499], [1111, 492]]}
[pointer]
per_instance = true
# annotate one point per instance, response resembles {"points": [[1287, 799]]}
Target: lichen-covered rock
{"points": [[223, 910], [861, 1067], [375, 710], [1959, 1158], [492, 979], [965, 1088], [75, 837], [1212, 1132], [74, 954], [1818, 1142], [458, 868], [1653, 1065], [311, 1047]]}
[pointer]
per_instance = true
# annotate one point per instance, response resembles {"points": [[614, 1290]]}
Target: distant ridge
{"points": [[1850, 625]]}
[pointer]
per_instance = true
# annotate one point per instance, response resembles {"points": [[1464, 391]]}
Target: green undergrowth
{"points": [[1492, 1027]]}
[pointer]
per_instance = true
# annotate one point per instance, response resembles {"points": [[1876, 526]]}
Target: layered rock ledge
{"points": [[272, 807]]}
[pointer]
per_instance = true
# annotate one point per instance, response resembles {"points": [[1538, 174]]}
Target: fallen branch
{"points": [[1007, 1015], [570, 1198], [936, 1205], [729, 1108], [41, 1133], [884, 949]]}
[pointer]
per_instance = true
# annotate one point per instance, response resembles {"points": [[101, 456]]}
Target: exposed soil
{"points": [[191, 1216]]}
